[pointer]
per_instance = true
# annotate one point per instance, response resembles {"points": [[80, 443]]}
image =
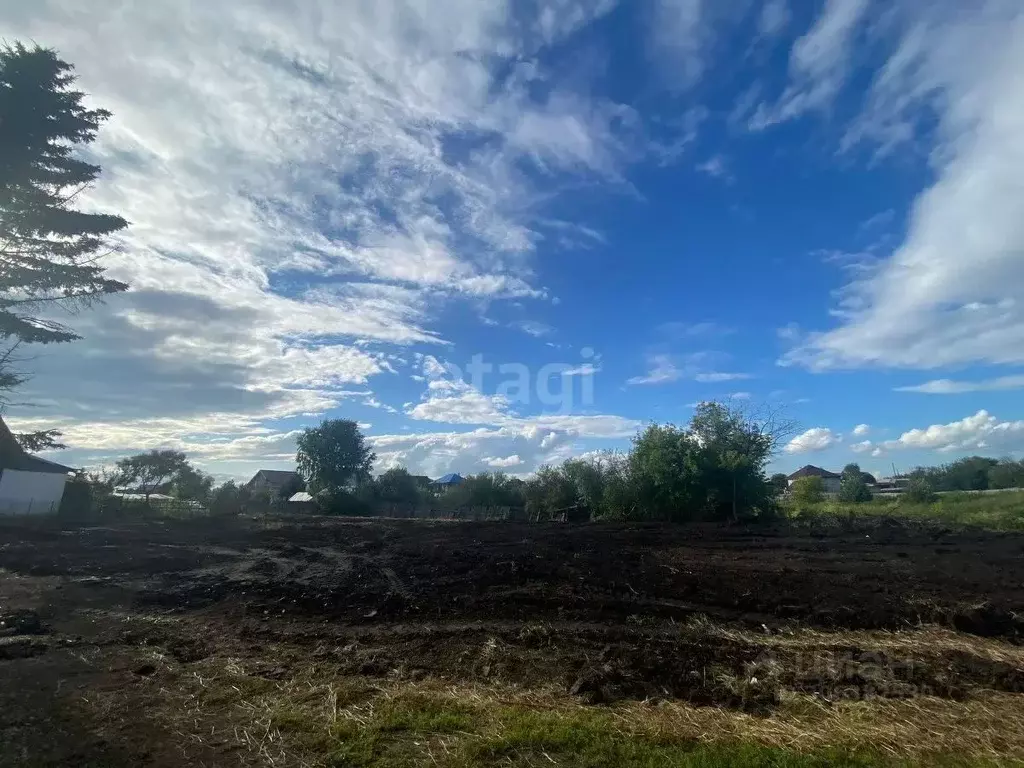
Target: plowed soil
{"points": [[706, 614]]}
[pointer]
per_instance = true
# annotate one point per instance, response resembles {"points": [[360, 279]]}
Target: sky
{"points": [[500, 234]]}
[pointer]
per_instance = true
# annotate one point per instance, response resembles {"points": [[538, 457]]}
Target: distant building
{"points": [[28, 484], [829, 479], [449, 481], [890, 486], [272, 480]]}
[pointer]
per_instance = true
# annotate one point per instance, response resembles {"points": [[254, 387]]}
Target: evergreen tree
{"points": [[48, 248]]}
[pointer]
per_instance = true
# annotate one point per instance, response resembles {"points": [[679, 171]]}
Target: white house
{"points": [[28, 485]]}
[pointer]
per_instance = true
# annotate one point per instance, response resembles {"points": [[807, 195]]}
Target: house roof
{"points": [[451, 478], [13, 456], [301, 496], [276, 476], [812, 471]]}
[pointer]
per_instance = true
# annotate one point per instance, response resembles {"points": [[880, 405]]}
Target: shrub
{"points": [[919, 491], [807, 490], [344, 503]]}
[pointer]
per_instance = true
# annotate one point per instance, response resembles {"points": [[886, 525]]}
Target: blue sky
{"points": [[815, 207]]}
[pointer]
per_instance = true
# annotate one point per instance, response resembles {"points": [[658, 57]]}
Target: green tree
{"points": [[548, 492], [663, 467], [852, 488], [1006, 474], [713, 470], [806, 491], [779, 482], [397, 486], [191, 484], [229, 499], [733, 451], [487, 489], [148, 471], [334, 456], [48, 248], [47, 440], [967, 474]]}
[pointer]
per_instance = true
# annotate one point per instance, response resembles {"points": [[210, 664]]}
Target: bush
{"points": [[919, 491], [397, 486], [358, 503], [488, 489], [805, 491]]}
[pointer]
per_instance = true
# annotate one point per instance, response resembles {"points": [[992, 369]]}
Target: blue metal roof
{"points": [[450, 479]]}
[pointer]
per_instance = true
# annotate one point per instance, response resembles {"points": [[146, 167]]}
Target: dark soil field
{"points": [[104, 626]]}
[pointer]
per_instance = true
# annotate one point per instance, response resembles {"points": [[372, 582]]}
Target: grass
{"points": [[992, 511], [314, 717]]}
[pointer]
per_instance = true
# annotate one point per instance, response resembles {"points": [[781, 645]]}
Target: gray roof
{"points": [[276, 476], [13, 456], [812, 471]]}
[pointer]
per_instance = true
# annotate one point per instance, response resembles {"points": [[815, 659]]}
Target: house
{"points": [[829, 479], [28, 484], [272, 480], [448, 481]]}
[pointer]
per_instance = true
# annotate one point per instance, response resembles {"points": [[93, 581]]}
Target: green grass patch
{"points": [[592, 740], [423, 714], [421, 729], [992, 511]]}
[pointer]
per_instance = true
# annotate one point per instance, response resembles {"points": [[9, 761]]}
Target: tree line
{"points": [[711, 469], [973, 473]]}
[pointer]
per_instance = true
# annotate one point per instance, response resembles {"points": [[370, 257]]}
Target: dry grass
{"points": [[315, 718], [923, 642]]}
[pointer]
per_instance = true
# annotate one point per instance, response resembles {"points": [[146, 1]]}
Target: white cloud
{"points": [[717, 168], [293, 203], [862, 447], [980, 431], [535, 328], [586, 369], [714, 377], [861, 430], [951, 387], [503, 463], [534, 441], [679, 38], [816, 439], [774, 18], [467, 406], [953, 292], [662, 371], [819, 63], [452, 401]]}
